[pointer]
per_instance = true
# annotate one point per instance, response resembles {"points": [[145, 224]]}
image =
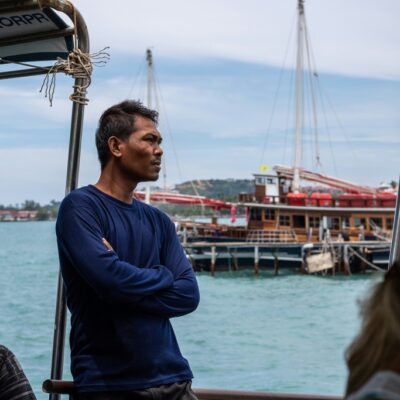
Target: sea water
{"points": [[285, 333]]}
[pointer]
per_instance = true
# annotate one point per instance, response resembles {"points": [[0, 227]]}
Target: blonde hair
{"points": [[377, 346]]}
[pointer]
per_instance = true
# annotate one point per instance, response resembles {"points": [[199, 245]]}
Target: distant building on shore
{"points": [[17, 215]]}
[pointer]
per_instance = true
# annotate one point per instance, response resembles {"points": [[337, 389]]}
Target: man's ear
{"points": [[114, 144]]}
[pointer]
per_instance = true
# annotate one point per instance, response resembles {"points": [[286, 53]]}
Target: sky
{"points": [[225, 78]]}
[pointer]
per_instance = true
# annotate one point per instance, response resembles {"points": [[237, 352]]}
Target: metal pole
{"points": [[395, 248], [71, 183]]}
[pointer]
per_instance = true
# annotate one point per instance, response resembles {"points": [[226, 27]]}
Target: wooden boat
{"points": [[354, 213], [280, 211]]}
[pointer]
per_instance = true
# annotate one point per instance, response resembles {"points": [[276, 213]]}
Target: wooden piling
{"points": [[276, 264], [346, 262], [303, 261], [213, 260], [256, 260], [235, 261]]}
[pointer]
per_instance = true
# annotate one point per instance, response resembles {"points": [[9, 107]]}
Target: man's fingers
{"points": [[108, 245]]}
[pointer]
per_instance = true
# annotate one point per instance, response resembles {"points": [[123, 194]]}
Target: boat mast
{"points": [[150, 76], [149, 59], [151, 88], [150, 80], [299, 96]]}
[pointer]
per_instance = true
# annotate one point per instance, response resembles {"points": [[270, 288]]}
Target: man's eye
{"points": [[153, 140]]}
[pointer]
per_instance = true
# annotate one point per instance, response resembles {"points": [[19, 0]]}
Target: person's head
{"points": [[377, 346], [127, 133]]}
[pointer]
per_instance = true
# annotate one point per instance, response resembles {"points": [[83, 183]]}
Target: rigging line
{"points": [[321, 97], [314, 125], [309, 126], [173, 143], [137, 76], [290, 106], [307, 123], [142, 88], [329, 134], [312, 70], [158, 108], [266, 138], [353, 150], [323, 92], [303, 108], [168, 126]]}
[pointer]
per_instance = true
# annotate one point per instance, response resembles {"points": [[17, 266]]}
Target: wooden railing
{"points": [[274, 236], [67, 387]]}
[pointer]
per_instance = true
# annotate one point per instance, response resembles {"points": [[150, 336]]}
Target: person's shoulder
{"points": [[78, 198], [155, 212], [383, 385], [4, 353]]}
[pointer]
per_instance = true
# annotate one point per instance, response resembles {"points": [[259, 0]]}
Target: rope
{"points": [[79, 65], [373, 266]]}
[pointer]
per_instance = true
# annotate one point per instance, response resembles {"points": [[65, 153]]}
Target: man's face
{"points": [[141, 152]]}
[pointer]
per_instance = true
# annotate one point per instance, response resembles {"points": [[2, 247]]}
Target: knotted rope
{"points": [[79, 65]]}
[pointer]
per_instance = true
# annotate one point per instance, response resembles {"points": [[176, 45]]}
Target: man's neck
{"points": [[118, 189]]}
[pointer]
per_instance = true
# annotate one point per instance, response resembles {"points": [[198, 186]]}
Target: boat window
{"points": [[360, 221], [260, 181], [284, 220], [271, 181], [313, 222], [334, 223], [299, 221], [376, 222], [345, 222], [255, 214], [389, 223], [269, 214]]}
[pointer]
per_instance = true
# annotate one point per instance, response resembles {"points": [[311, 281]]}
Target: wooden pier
{"points": [[347, 257]]}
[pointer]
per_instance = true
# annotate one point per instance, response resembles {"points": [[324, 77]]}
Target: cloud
{"points": [[213, 63], [355, 38]]}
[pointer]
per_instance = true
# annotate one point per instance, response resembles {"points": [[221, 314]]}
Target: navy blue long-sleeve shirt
{"points": [[121, 300]]}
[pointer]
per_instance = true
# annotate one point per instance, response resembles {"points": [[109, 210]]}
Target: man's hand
{"points": [[108, 245]]}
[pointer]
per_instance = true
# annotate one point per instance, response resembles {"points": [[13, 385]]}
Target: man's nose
{"points": [[159, 150]]}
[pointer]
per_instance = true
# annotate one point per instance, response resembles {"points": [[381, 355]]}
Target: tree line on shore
{"points": [[43, 212], [50, 211], [219, 189]]}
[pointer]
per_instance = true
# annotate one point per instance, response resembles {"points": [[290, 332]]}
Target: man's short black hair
{"points": [[119, 121]]}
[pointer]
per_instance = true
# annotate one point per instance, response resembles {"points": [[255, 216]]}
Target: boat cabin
{"points": [[312, 214]]}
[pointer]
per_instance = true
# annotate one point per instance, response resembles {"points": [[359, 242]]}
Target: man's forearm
{"points": [[181, 299]]}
